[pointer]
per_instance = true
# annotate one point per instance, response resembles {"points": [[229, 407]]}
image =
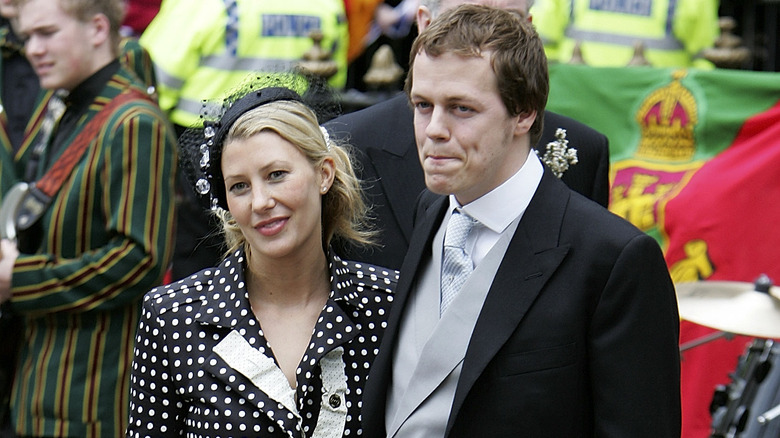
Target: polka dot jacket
{"points": [[202, 367]]}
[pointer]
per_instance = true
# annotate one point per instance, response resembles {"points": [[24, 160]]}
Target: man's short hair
{"points": [[85, 9], [434, 6], [516, 54]]}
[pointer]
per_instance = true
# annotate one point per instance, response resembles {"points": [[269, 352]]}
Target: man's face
{"points": [[59, 47], [7, 9], [467, 142]]}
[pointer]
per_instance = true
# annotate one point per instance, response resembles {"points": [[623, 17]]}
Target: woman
{"points": [[277, 340]]}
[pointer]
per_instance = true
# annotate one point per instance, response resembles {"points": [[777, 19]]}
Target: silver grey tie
{"points": [[456, 264]]}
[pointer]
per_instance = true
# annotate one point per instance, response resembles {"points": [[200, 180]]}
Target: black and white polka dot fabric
{"points": [[202, 367]]}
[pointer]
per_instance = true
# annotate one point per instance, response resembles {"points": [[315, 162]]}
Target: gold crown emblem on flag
{"points": [[667, 118]]}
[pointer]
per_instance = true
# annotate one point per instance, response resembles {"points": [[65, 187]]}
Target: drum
{"points": [[749, 406]]}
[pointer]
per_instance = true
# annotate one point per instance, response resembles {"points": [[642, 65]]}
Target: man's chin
{"points": [[48, 83], [438, 184]]}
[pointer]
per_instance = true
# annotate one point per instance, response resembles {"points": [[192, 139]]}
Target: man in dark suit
{"points": [[383, 137], [564, 319]]}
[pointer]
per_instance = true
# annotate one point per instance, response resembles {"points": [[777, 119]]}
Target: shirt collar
{"points": [[90, 88], [499, 207]]}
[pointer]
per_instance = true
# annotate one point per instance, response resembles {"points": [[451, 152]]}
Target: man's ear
{"points": [[424, 18], [101, 29], [524, 122]]}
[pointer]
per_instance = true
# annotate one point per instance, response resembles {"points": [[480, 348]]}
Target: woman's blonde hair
{"points": [[344, 211]]}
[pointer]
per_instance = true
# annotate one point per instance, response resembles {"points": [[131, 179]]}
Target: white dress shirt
{"points": [[498, 208]]}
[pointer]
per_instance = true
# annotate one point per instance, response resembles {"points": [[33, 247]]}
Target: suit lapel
{"points": [[396, 164], [375, 395], [21, 156], [446, 347], [532, 257]]}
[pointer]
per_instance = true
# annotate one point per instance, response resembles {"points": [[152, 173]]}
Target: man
{"points": [[384, 139], [102, 241], [566, 323]]}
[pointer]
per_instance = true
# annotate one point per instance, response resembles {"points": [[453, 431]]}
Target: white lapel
{"points": [[257, 367], [262, 371]]}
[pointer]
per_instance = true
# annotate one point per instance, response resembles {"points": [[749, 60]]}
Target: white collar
{"points": [[499, 207]]}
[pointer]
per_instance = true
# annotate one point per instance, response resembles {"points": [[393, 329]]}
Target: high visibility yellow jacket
{"points": [[205, 49], [673, 32]]}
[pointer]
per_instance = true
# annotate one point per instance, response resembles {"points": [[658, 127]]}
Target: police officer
{"points": [[205, 51], [671, 32]]}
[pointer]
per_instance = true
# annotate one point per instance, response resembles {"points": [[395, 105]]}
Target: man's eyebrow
{"points": [[34, 29]]}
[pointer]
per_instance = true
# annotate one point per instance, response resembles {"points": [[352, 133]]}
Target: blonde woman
{"points": [[278, 339]]}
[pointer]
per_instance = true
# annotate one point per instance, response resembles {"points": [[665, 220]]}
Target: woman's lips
{"points": [[271, 227]]}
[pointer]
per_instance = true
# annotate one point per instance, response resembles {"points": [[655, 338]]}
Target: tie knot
{"points": [[56, 106], [458, 229]]}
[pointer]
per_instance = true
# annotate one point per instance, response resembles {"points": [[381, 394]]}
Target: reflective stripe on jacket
{"points": [[204, 51], [673, 32]]}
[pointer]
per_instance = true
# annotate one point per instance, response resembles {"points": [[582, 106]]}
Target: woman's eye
{"points": [[277, 175], [237, 187]]}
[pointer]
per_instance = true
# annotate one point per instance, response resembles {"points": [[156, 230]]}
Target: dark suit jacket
{"points": [[383, 136], [578, 335]]}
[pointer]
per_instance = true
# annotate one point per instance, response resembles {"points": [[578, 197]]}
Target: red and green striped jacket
{"points": [[12, 164], [107, 239]]}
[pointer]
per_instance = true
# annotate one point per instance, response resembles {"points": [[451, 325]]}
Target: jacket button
{"points": [[335, 401]]}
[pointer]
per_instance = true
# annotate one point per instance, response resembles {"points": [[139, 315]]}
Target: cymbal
{"points": [[731, 306]]}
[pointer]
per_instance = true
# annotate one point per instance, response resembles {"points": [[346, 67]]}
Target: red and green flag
{"points": [[695, 162]]}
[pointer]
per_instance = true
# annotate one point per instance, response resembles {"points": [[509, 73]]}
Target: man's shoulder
{"points": [[590, 175], [393, 106], [596, 225], [388, 123], [135, 100], [574, 129]]}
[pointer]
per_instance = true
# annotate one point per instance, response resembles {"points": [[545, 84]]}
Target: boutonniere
{"points": [[559, 156]]}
